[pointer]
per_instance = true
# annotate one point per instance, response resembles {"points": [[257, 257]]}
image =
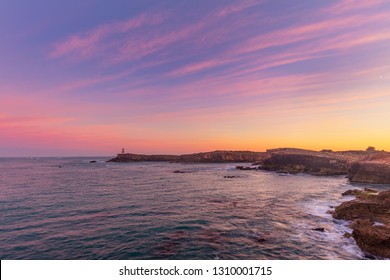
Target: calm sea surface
{"points": [[68, 208]]}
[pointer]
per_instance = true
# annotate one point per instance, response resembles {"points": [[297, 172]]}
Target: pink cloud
{"points": [[133, 46], [354, 40], [343, 6], [237, 8], [202, 32], [8, 121], [200, 66], [87, 44], [376, 72], [86, 82], [313, 44], [308, 31]]}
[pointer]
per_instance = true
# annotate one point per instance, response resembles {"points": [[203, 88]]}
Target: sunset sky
{"points": [[90, 77]]}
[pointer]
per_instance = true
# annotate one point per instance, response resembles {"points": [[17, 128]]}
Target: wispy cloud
{"points": [[315, 40], [238, 7], [117, 42], [344, 6], [89, 43]]}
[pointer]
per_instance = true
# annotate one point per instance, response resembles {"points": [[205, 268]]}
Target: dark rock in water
{"points": [[370, 190], [231, 176], [92, 161], [370, 257], [259, 239], [240, 167], [347, 235], [319, 229], [179, 171], [357, 192], [350, 192], [215, 201], [370, 214], [369, 172], [256, 237]]}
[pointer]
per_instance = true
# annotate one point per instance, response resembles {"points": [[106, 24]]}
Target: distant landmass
{"points": [[208, 157]]}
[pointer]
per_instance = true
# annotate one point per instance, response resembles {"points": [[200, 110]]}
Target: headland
{"points": [[361, 166]]}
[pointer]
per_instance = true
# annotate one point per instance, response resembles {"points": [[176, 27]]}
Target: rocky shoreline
{"points": [[369, 214], [368, 166]]}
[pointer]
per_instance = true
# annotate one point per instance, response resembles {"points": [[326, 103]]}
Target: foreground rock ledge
{"points": [[370, 216]]}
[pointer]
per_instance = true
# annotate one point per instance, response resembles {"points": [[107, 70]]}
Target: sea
{"points": [[72, 208]]}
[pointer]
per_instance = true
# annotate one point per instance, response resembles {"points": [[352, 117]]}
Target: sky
{"points": [[172, 77]]}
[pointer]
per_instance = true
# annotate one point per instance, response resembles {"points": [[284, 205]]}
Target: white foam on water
{"points": [[334, 230]]}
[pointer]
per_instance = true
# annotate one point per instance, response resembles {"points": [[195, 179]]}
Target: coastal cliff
{"points": [[301, 161], [369, 172], [207, 157], [368, 166]]}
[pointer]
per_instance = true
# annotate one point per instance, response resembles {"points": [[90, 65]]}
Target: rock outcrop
{"points": [[301, 161], [369, 172], [368, 166], [370, 217]]}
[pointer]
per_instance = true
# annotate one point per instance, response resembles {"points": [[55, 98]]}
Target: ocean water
{"points": [[69, 208]]}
